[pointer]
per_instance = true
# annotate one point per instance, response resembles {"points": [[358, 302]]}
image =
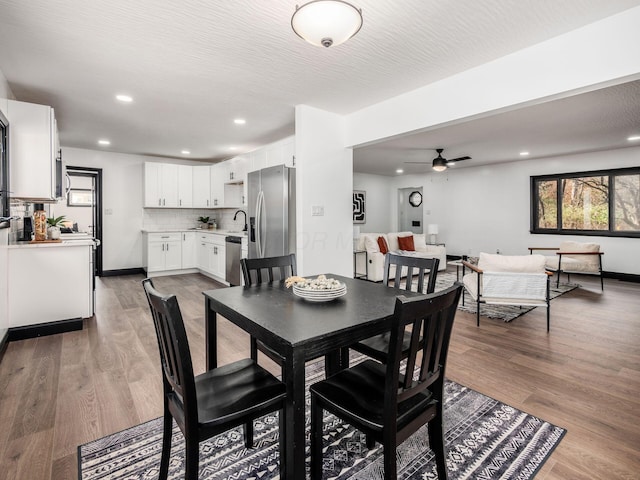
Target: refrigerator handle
{"points": [[259, 224]]}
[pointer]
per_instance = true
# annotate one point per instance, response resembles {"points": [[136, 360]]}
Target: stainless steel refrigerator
{"points": [[272, 211]]}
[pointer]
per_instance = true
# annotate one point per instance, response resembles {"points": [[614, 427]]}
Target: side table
{"points": [[364, 275]]}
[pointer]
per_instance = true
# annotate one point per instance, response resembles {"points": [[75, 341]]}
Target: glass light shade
{"points": [[326, 22], [439, 164]]}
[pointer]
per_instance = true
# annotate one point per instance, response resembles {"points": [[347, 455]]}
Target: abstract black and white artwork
{"points": [[359, 206]]}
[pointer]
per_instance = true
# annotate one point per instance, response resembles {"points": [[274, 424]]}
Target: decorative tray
{"points": [[320, 289]]}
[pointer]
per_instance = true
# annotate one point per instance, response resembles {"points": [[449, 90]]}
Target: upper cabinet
{"points": [[35, 157], [281, 152], [185, 186], [202, 186], [160, 185]]}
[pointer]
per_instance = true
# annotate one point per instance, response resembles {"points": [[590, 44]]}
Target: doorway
{"points": [[84, 189], [410, 210]]}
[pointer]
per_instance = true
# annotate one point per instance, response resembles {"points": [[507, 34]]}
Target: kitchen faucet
{"points": [[245, 218]]}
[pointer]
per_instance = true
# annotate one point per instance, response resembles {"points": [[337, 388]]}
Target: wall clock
{"points": [[415, 199]]}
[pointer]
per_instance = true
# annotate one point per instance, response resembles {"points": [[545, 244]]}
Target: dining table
{"points": [[300, 330]]}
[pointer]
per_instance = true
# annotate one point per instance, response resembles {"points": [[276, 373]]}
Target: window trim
{"points": [[558, 177]]}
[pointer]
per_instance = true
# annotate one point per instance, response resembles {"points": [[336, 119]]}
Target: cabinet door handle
{"points": [[207, 202], [167, 247], [163, 247], [180, 202], [159, 202]]}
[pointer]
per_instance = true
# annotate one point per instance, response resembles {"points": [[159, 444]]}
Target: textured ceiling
{"points": [[195, 65]]}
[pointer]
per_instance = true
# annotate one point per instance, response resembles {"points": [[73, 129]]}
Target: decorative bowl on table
{"points": [[320, 289]]}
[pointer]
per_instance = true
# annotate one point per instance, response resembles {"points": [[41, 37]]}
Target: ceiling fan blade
{"points": [[419, 163], [459, 159]]}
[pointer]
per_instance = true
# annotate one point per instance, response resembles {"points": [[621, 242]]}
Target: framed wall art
{"points": [[359, 206]]}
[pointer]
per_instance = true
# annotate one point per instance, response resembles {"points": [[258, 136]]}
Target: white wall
{"points": [[380, 191], [324, 178], [487, 208], [5, 93]]}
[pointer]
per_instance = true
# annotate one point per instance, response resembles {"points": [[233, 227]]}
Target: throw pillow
{"points": [[371, 245], [382, 243], [406, 243]]}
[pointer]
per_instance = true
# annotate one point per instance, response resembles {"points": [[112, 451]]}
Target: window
{"points": [[604, 203]]}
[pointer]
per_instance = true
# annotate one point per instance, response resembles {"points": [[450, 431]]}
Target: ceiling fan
{"points": [[440, 163]]}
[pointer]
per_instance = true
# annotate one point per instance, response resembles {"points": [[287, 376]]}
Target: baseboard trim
{"points": [[625, 277], [43, 329], [123, 271]]}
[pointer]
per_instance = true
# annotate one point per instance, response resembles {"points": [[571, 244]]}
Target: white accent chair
{"points": [[508, 280], [375, 266], [574, 257]]}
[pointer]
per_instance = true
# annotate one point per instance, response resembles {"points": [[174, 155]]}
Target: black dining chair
{"points": [[213, 402], [391, 402], [262, 270], [422, 272]]}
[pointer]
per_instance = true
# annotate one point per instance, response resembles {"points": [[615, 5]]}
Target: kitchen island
{"points": [[51, 287]]}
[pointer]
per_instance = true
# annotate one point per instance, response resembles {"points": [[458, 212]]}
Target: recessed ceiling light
{"points": [[233, 148], [185, 152], [239, 121], [399, 170], [124, 98], [104, 142], [634, 138], [524, 154]]}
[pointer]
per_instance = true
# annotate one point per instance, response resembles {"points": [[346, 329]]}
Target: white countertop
{"points": [[64, 243], [197, 230]]}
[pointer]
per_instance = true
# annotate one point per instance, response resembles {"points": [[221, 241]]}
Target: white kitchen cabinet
{"points": [[160, 185], [185, 186], [237, 169], [202, 186], [62, 289], [189, 250], [34, 152], [218, 176], [211, 254], [163, 252], [281, 153]]}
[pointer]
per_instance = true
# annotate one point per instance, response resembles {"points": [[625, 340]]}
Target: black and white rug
{"points": [[485, 439], [502, 312]]}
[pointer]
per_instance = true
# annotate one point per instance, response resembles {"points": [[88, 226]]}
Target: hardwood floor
{"points": [[60, 391]]}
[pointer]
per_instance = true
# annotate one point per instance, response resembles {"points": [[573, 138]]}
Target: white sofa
{"points": [[375, 268]]}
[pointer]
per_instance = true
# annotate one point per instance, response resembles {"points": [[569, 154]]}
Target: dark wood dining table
{"points": [[299, 331]]}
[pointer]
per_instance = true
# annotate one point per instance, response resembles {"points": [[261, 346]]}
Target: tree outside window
{"points": [[598, 203]]}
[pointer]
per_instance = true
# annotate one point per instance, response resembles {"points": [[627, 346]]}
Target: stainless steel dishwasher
{"points": [[233, 249]]}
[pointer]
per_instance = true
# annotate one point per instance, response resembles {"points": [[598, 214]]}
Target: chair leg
{"points": [[371, 443], [436, 442], [283, 444], [248, 434], [478, 313], [254, 349], [166, 445], [191, 458], [390, 461], [316, 439], [601, 282]]}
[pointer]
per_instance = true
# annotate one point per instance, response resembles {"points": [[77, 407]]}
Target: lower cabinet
{"points": [[211, 254], [163, 252], [189, 259]]}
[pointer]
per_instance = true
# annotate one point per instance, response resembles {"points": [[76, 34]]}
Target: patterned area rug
{"points": [[484, 439], [502, 312]]}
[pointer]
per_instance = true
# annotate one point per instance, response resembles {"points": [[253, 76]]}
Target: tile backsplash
{"points": [[158, 219]]}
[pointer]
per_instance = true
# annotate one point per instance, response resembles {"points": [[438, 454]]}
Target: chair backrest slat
{"points": [[430, 318], [173, 345], [422, 270], [273, 268]]}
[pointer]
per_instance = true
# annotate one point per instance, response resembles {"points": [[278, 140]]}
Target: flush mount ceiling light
{"points": [[185, 152], [326, 22], [104, 142], [124, 98]]}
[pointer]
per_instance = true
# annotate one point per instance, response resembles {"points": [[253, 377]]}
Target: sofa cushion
{"points": [[371, 244], [406, 243], [382, 245], [511, 263]]}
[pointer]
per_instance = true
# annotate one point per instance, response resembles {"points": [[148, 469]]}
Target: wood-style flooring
{"points": [[63, 390]]}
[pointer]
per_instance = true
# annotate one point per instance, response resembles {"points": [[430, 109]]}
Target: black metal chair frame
{"points": [[425, 270], [388, 402], [213, 402]]}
